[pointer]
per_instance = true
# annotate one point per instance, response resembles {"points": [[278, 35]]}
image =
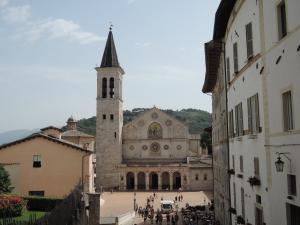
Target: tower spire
{"points": [[110, 58]]}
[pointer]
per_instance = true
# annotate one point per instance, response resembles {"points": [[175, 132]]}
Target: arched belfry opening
{"points": [[111, 87], [104, 87]]}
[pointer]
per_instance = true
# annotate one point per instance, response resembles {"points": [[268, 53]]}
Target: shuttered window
{"points": [[239, 120], [292, 185], [281, 14], [241, 163], [235, 58], [287, 111], [228, 69], [253, 114], [249, 40], [231, 124], [243, 202], [234, 195], [256, 166], [258, 216]]}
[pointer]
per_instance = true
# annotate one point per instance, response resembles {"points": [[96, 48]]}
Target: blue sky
{"points": [[49, 50]]}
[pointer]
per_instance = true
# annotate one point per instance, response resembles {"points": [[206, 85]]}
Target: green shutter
{"points": [[250, 127]]}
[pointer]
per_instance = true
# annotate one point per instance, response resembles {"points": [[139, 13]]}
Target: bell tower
{"points": [[109, 120]]}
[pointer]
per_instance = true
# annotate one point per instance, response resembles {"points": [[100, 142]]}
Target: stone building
{"points": [[260, 62], [154, 151]]}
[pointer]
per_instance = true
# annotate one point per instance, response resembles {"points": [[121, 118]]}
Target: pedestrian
{"points": [[140, 211], [151, 218], [173, 220], [175, 198], [160, 218], [168, 218], [176, 217], [181, 197], [176, 207]]}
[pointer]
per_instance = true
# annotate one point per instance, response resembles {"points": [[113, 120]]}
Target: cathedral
{"points": [[155, 151]]}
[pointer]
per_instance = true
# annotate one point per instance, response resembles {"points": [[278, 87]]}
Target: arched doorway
{"points": [[165, 181], [141, 181], [176, 180], [130, 181], [153, 182]]}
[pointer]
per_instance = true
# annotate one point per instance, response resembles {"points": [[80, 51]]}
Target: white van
{"points": [[167, 206]]}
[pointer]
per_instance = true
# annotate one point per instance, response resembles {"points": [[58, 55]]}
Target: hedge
{"points": [[41, 204], [10, 206]]}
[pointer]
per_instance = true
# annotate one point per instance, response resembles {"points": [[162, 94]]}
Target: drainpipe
{"points": [[227, 127]]}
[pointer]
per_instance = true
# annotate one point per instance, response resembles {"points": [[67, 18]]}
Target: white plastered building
{"points": [[261, 55]]}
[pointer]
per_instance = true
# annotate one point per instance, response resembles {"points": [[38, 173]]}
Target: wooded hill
{"points": [[195, 119]]}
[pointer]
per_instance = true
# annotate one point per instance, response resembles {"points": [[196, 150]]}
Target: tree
{"points": [[206, 141], [5, 184]]}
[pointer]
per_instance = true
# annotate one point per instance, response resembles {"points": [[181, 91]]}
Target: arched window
{"points": [[155, 131], [104, 87], [205, 176], [196, 177], [111, 87]]}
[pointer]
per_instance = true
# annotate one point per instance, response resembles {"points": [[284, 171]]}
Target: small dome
{"points": [[71, 119]]}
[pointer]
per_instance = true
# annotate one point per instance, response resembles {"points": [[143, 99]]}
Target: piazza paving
{"points": [[118, 203]]}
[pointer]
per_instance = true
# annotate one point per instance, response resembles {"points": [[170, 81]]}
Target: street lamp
{"points": [[279, 164]]}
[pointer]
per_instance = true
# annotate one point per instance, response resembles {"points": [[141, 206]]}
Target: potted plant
{"points": [[240, 220], [232, 210], [253, 181], [231, 172]]}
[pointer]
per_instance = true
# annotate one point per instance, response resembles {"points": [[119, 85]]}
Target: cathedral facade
{"points": [[155, 151]]}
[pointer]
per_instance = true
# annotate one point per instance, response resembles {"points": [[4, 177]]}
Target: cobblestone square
{"points": [[118, 203]]}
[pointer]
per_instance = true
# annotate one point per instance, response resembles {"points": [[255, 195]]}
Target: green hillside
{"points": [[196, 119]]}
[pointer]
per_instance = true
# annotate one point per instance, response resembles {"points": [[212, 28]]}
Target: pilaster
{"points": [[147, 181]]}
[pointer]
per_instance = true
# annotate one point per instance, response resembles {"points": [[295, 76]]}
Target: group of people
{"points": [[172, 218], [179, 198], [148, 211]]}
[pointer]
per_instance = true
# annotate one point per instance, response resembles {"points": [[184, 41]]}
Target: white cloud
{"points": [[3, 3], [59, 28], [16, 14], [44, 29], [144, 44]]}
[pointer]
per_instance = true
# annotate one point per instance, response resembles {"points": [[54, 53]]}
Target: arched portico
{"points": [[130, 181], [141, 181], [165, 181], [153, 181], [176, 180]]}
